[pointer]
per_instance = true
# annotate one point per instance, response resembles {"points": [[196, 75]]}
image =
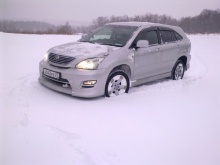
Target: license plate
{"points": [[52, 74]]}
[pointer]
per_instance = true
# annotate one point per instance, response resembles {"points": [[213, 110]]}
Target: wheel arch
{"points": [[115, 89], [184, 59], [124, 67]]}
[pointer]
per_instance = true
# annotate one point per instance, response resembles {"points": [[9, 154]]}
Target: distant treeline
{"points": [[34, 27], [208, 21]]}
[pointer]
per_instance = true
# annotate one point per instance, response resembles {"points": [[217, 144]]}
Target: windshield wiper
{"points": [[90, 42], [117, 45]]}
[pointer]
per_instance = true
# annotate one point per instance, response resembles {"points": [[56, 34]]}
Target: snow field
{"points": [[160, 123]]}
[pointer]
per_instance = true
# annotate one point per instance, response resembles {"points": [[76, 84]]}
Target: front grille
{"points": [[59, 59]]}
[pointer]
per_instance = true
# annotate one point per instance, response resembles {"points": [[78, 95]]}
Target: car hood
{"points": [[82, 49]]}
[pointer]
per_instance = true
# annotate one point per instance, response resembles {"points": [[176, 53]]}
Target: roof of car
{"points": [[138, 24], [149, 24]]}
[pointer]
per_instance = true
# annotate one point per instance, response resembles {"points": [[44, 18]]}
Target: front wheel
{"points": [[117, 84], [178, 71]]}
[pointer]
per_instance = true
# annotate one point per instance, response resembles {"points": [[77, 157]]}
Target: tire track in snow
{"points": [[65, 134], [24, 121], [18, 89], [80, 156]]}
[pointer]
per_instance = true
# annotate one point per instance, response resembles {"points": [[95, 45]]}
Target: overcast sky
{"points": [[87, 10]]}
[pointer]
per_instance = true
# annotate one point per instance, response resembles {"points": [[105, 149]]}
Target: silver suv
{"points": [[111, 59]]}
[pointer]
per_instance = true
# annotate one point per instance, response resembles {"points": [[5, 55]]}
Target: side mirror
{"points": [[142, 44]]}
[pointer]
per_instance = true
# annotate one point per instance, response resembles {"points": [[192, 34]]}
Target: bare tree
{"points": [[208, 21]]}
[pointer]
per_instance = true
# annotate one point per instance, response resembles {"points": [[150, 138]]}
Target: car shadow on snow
{"points": [[162, 84], [70, 96]]}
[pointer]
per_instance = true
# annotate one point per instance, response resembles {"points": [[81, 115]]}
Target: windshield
{"points": [[114, 35]]}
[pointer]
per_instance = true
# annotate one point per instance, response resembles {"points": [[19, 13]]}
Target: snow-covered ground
{"points": [[161, 123]]}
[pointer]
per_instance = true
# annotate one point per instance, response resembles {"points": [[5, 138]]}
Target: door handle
{"points": [[154, 50]]}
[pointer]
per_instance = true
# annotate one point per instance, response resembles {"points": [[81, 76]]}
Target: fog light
{"points": [[88, 84], [91, 82]]}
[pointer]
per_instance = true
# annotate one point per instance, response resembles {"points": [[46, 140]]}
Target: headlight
{"points": [[46, 56], [89, 63]]}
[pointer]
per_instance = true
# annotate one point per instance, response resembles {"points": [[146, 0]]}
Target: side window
{"points": [[141, 36], [150, 36], [178, 37], [173, 37], [166, 36]]}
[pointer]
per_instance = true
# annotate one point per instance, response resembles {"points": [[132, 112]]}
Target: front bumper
{"points": [[74, 78]]}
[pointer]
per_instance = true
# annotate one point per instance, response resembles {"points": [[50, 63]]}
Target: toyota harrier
{"points": [[115, 57]]}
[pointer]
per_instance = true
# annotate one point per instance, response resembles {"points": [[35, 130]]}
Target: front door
{"points": [[147, 60]]}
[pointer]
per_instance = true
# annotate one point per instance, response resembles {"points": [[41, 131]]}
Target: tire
{"points": [[117, 84], [178, 70]]}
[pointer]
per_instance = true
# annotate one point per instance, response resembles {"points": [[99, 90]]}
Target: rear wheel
{"points": [[178, 70], [117, 84]]}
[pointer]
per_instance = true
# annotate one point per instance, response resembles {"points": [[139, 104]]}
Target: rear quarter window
{"points": [[168, 36], [178, 36]]}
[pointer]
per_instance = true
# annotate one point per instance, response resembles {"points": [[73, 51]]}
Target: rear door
{"points": [[170, 49]]}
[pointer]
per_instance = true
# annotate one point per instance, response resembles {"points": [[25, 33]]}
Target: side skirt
{"points": [[149, 79]]}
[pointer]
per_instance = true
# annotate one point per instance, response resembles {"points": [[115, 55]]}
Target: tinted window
{"points": [[178, 37], [166, 36], [150, 36], [173, 37]]}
